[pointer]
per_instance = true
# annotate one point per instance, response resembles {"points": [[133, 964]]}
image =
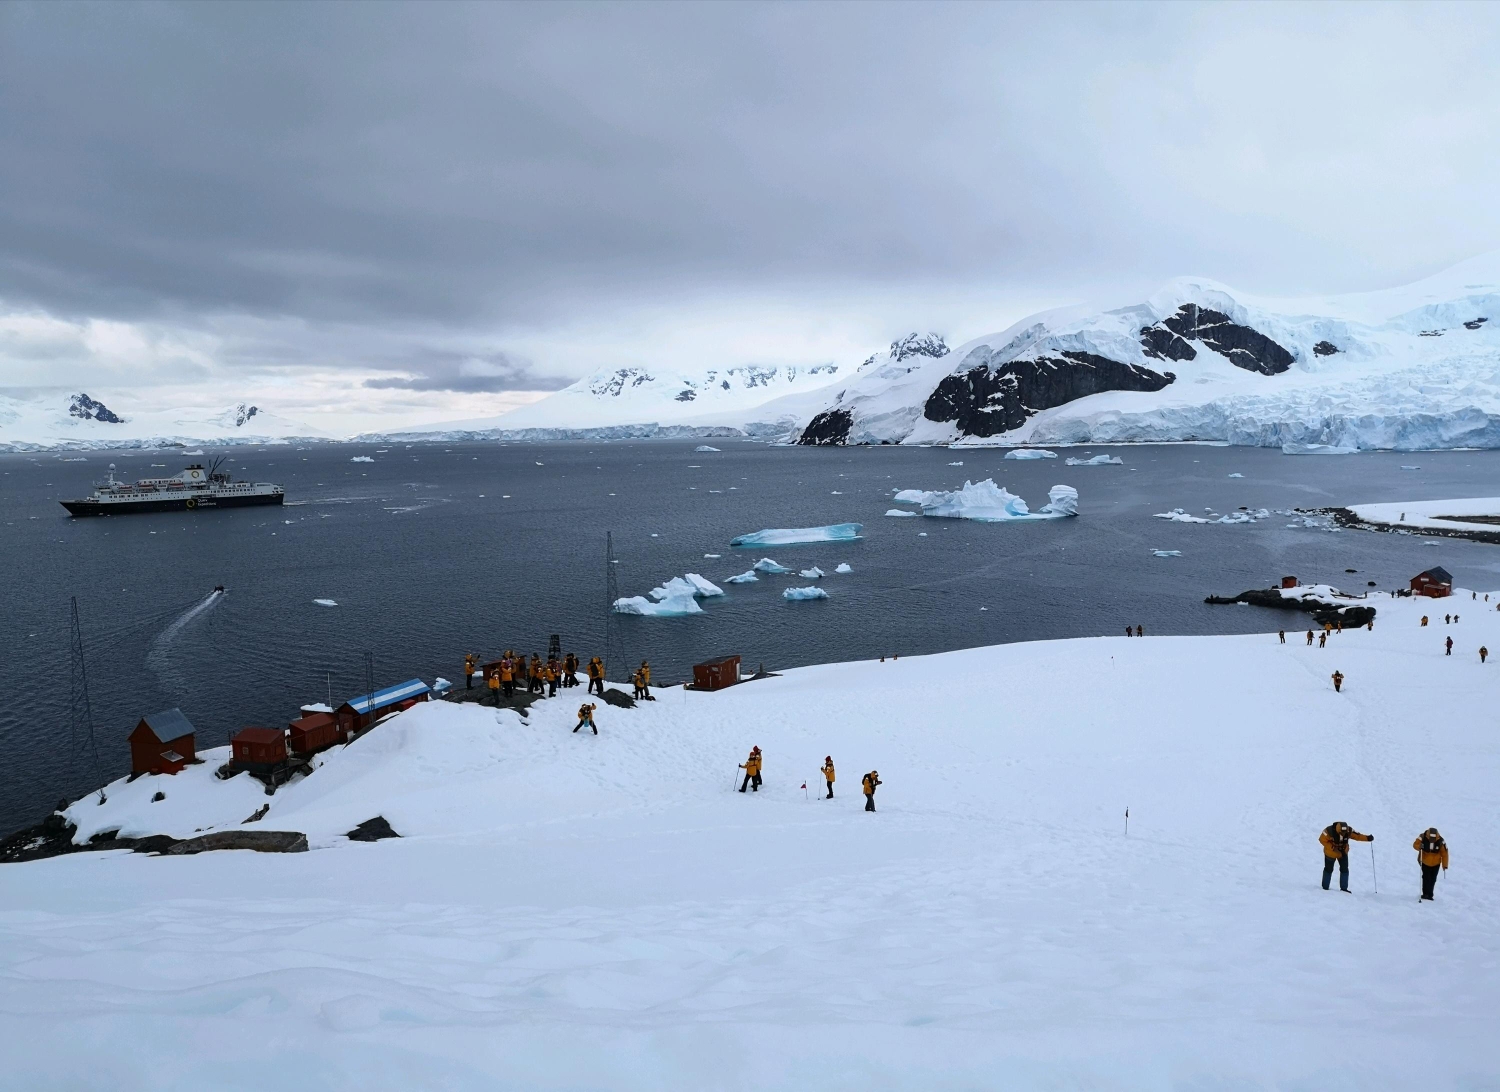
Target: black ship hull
{"points": [[167, 504]]}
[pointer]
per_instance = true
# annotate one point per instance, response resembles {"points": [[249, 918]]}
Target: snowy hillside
{"points": [[629, 399], [576, 911], [1409, 368], [80, 421]]}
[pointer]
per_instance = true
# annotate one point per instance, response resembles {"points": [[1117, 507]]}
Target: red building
{"points": [[258, 748], [162, 743], [716, 674], [1288, 581], [1435, 583], [313, 733]]}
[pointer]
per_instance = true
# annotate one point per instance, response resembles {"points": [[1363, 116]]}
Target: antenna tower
{"points": [[614, 640], [80, 711]]}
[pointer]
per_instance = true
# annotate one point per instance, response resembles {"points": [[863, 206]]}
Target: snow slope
{"points": [[1408, 368], [1430, 514], [568, 911], [79, 421]]}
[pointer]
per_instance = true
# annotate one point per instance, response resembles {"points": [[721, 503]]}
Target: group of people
{"points": [[1139, 632], [752, 767], [1432, 855], [540, 677]]}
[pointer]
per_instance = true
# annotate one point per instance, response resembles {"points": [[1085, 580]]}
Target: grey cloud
{"points": [[470, 375]]}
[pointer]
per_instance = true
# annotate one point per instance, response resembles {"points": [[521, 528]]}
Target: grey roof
{"points": [[169, 724], [1438, 573]]}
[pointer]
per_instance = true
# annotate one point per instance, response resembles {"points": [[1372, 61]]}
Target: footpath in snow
{"points": [[569, 911]]}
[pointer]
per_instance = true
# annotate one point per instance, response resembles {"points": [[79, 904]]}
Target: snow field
{"points": [[570, 911], [1424, 514]]}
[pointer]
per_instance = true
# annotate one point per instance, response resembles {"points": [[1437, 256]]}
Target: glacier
{"points": [[793, 536], [990, 503]]}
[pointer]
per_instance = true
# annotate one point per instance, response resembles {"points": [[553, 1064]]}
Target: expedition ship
{"points": [[195, 488]]}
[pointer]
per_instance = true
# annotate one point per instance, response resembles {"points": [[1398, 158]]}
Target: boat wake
{"points": [[159, 656]]}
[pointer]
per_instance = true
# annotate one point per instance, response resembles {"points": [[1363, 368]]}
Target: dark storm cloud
{"points": [[499, 166]]}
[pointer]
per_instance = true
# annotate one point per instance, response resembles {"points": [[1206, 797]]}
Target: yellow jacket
{"points": [[828, 771], [596, 668], [870, 781], [646, 674], [494, 682], [1436, 857], [1334, 846], [752, 764]]}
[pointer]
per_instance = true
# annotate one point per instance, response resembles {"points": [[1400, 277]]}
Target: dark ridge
{"points": [[1163, 344], [1326, 348], [1244, 346], [828, 429]]}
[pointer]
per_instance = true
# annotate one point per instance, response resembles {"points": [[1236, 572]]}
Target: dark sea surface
{"points": [[434, 550]]}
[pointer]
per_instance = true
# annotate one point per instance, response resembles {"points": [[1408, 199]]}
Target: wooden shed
{"points": [[1435, 583], [307, 735], [162, 743], [1288, 581], [716, 674], [258, 747]]}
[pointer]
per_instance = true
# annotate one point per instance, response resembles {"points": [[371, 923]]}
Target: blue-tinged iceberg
{"points": [[691, 585], [772, 568], [747, 577], [990, 503], [795, 594], [673, 607], [791, 536], [1106, 460], [1030, 453]]}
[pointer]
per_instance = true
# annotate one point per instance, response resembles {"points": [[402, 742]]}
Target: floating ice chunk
{"points": [[843, 567], [362, 459], [1098, 460], [898, 512], [789, 536], [1236, 475], [794, 594], [704, 589], [705, 447], [1411, 468], [909, 496], [1030, 453], [1317, 449], [766, 565], [1177, 515], [813, 573], [747, 577], [1167, 553], [960, 463], [990, 503], [713, 557], [692, 585], [325, 602], [675, 607]]}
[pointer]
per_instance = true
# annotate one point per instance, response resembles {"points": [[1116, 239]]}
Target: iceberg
{"points": [[843, 567], [1167, 553], [705, 589], [361, 459], [792, 536], [909, 496], [987, 502], [325, 602], [705, 447], [692, 585], [795, 594], [674, 607], [813, 573], [1030, 453], [747, 577], [898, 512], [766, 565], [1098, 460], [1236, 475], [1177, 515]]}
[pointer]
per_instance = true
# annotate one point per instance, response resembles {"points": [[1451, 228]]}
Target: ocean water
{"points": [[433, 550]]}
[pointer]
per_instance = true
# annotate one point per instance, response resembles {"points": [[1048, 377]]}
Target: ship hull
{"points": [[167, 504]]}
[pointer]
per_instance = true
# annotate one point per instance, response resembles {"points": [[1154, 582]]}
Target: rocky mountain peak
{"points": [[918, 345], [90, 409]]}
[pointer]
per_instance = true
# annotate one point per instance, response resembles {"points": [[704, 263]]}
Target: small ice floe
{"points": [[898, 512], [1236, 475], [1030, 453], [714, 557], [655, 535], [766, 565], [843, 567], [1411, 468], [813, 573], [1166, 553], [836, 493], [790, 536], [675, 607], [1098, 460], [747, 577], [1318, 449], [362, 459], [325, 602], [921, 534], [705, 447], [959, 463], [795, 594], [538, 464]]}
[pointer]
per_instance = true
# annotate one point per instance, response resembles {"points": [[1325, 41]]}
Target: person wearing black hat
{"points": [[1335, 839], [1432, 854], [871, 783]]}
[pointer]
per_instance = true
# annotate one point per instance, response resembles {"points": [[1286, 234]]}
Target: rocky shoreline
{"points": [[1355, 614], [1345, 517]]}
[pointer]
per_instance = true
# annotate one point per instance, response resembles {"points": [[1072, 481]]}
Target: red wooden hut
{"points": [[1288, 581], [312, 733], [258, 748], [1435, 583], [162, 743], [716, 674]]}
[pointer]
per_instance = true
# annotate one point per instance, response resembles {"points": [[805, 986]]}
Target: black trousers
{"points": [[1429, 879], [587, 723], [830, 791], [509, 686], [596, 683], [869, 801], [752, 781], [469, 680], [551, 688], [1343, 863]]}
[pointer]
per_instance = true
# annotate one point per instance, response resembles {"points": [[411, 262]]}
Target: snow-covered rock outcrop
{"points": [[81, 421]]}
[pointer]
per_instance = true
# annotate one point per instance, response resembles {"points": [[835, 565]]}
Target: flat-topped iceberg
{"points": [[795, 594], [899, 512], [1099, 460], [705, 447], [748, 577], [990, 503], [691, 585], [673, 607], [792, 536], [766, 565], [1030, 453]]}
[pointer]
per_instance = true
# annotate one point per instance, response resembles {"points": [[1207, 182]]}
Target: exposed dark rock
{"points": [[257, 815], [152, 843], [91, 409], [916, 345], [372, 830], [618, 698], [1326, 348], [262, 841], [1474, 324], [1244, 346], [686, 395], [987, 400], [1163, 344], [1323, 614], [158, 797], [828, 429]]}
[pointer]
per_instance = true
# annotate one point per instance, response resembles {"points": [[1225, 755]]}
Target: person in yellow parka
{"points": [[828, 775], [1338, 681], [493, 682], [871, 782], [586, 717], [1335, 839], [751, 766], [507, 673], [596, 676], [646, 680], [469, 661], [1432, 854]]}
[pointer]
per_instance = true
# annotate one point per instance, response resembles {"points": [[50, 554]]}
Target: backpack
{"points": [[1432, 843]]}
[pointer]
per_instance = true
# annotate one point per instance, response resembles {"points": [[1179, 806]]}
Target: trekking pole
{"points": [[1373, 876], [1127, 822]]}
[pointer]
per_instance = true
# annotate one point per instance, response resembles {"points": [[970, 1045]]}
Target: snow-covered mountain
{"points": [[1407, 368], [80, 421], [649, 401]]}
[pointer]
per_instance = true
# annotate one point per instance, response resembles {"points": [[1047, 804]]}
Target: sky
{"points": [[374, 214]]}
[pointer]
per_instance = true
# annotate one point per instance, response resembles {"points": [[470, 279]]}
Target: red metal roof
{"points": [[258, 735]]}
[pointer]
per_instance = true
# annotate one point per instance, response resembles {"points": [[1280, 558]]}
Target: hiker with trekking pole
{"points": [[1335, 840]]}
